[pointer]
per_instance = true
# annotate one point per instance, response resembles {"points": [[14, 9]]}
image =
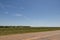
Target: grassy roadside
{"points": [[7, 31]]}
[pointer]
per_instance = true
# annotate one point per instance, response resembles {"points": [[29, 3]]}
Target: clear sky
{"points": [[30, 12]]}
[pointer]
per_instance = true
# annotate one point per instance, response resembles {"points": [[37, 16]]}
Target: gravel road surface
{"points": [[50, 35]]}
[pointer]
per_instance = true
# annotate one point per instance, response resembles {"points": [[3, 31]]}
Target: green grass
{"points": [[7, 31]]}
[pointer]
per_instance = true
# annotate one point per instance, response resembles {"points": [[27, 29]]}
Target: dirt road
{"points": [[50, 35]]}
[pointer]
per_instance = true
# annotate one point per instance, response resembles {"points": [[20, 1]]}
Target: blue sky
{"points": [[30, 12]]}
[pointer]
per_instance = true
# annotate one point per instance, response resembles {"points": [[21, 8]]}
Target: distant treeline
{"points": [[14, 26], [29, 27]]}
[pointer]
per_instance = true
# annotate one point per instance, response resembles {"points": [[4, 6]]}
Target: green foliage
{"points": [[5, 30]]}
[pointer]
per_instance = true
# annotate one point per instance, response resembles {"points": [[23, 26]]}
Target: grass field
{"points": [[16, 30]]}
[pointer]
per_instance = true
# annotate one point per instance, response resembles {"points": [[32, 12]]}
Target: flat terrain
{"points": [[50, 35], [7, 30]]}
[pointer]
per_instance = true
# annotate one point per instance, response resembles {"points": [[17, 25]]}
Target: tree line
{"points": [[15, 26]]}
